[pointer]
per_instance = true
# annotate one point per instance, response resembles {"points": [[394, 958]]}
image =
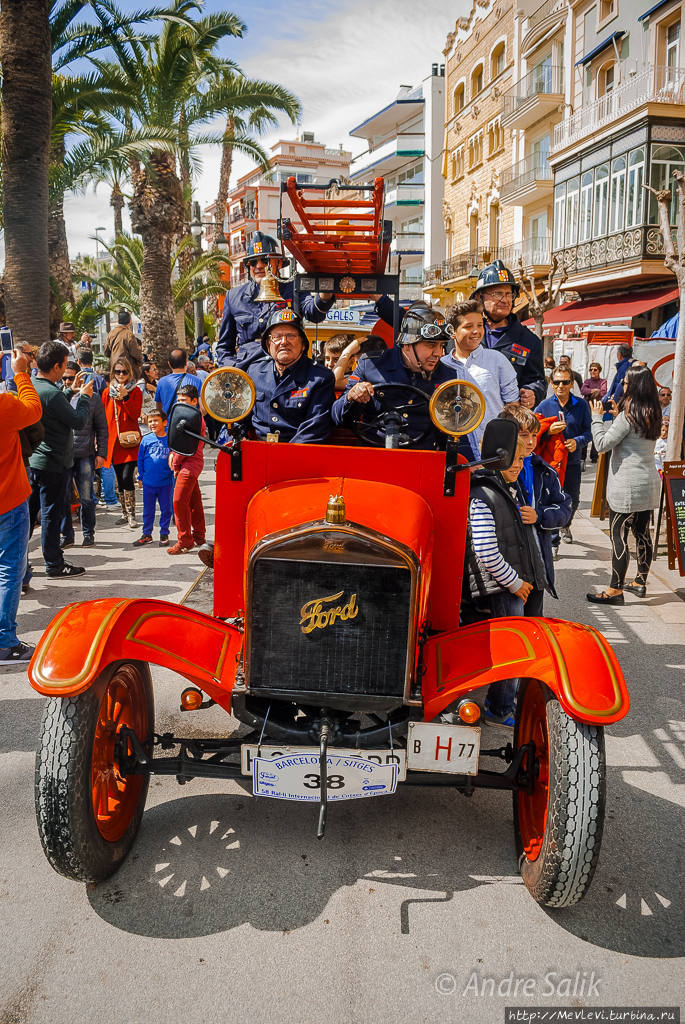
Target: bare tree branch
{"points": [[538, 307]]}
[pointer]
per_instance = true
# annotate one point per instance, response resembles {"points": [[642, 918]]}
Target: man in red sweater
{"points": [[16, 411], [188, 510]]}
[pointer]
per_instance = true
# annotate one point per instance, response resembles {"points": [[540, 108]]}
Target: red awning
{"points": [[614, 311]]}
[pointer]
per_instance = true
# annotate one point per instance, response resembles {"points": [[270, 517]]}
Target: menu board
{"points": [[674, 481]]}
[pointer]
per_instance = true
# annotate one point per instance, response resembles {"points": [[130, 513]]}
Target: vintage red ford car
{"points": [[335, 637]]}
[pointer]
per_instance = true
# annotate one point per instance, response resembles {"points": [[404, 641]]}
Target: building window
{"points": [[304, 179], [559, 215], [497, 60], [459, 98], [475, 150], [474, 232], [618, 194], [412, 175], [636, 172], [412, 227], [458, 163], [495, 137], [572, 197], [477, 81], [673, 50], [606, 11], [585, 217], [495, 225], [609, 80], [542, 75], [665, 160], [601, 200]]}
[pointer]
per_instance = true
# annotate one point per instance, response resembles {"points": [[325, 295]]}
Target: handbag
{"points": [[126, 438]]}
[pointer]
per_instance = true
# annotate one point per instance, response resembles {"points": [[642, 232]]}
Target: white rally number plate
{"points": [[443, 748], [297, 777], [249, 751]]}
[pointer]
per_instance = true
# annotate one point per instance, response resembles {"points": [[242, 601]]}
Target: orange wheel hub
{"points": [[115, 798], [532, 810]]}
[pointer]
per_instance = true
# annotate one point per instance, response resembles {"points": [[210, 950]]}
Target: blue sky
{"points": [[344, 59]]}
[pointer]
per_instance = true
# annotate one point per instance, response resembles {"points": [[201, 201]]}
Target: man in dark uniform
{"points": [[415, 360], [244, 320], [294, 394], [497, 290]]}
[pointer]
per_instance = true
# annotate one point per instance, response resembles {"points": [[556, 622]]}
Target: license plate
{"points": [[443, 748], [249, 751], [297, 777]]}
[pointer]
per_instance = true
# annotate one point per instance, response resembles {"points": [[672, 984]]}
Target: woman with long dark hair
{"points": [[633, 483]]}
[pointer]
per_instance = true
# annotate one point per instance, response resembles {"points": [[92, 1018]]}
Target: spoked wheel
{"points": [[558, 827], [88, 813]]}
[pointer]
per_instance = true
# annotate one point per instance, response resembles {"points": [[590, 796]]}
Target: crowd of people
{"points": [[79, 439]]}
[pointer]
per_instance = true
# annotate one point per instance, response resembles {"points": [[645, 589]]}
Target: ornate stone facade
{"points": [[478, 69]]}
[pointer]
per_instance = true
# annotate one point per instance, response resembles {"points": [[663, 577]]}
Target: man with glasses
{"points": [[294, 395], [90, 452], [497, 289], [665, 403], [415, 360], [574, 423], [244, 320]]}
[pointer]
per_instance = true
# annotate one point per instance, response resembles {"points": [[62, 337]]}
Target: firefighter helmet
{"points": [[421, 323], [264, 245], [495, 273], [284, 315]]}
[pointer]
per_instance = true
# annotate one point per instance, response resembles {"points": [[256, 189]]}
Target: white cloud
{"points": [[343, 61]]}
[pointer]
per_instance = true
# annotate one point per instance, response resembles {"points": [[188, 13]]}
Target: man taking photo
{"points": [[17, 411], [53, 460]]}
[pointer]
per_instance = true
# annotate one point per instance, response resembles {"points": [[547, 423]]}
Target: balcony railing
{"points": [[533, 252], [542, 12], [466, 264], [533, 168], [654, 84], [546, 79]]}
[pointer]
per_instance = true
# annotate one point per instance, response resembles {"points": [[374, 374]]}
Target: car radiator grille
{"points": [[365, 652]]}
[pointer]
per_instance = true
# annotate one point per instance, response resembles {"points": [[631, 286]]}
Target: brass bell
{"points": [[268, 290]]}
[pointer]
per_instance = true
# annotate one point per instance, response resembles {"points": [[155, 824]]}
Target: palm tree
{"points": [[177, 82], [84, 313], [122, 279], [25, 56]]}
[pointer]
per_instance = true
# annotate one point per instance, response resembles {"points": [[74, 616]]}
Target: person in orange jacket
{"points": [[16, 411], [550, 444]]}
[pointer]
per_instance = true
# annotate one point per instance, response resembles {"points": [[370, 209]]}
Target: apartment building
{"points": [[623, 126], [254, 203], [404, 145], [476, 226]]}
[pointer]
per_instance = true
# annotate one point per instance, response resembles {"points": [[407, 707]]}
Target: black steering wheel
{"points": [[391, 421]]}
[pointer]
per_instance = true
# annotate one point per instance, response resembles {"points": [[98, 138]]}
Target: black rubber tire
{"points": [[561, 874], [67, 827]]}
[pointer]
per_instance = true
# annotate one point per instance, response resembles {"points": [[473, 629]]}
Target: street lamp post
{"points": [[97, 263], [196, 232]]}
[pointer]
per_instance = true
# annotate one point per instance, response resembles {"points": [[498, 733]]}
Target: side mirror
{"points": [[184, 421], [500, 438]]}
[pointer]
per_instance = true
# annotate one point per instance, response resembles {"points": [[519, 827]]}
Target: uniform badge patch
{"points": [[302, 393], [503, 276], [257, 247], [519, 350]]}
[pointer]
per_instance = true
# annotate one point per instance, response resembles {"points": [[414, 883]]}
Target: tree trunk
{"points": [[117, 202], [157, 215], [222, 196], [58, 246], [675, 426], [26, 58]]}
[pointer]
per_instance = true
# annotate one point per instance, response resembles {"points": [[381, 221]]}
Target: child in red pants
{"points": [[188, 510]]}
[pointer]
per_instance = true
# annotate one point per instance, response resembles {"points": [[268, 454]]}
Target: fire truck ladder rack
{"points": [[343, 244]]}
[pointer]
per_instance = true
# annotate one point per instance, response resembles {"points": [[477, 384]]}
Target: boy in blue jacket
{"points": [[157, 479], [544, 506]]}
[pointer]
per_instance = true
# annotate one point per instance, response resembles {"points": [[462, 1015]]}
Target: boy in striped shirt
{"points": [[502, 567]]}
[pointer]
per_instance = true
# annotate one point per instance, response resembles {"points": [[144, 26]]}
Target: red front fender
{"points": [[85, 637], [574, 660]]}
